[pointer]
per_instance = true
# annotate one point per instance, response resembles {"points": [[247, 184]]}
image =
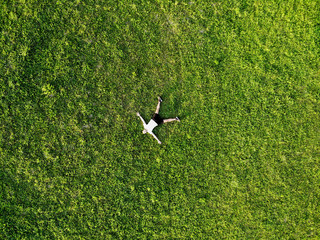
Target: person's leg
{"points": [[171, 120], [158, 106]]}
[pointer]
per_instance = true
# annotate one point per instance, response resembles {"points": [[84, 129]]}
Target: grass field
{"points": [[243, 76]]}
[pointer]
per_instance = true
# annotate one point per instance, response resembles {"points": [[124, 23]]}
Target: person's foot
{"points": [[159, 99], [177, 119]]}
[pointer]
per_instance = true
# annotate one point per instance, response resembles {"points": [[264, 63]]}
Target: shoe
{"points": [[177, 119], [160, 99]]}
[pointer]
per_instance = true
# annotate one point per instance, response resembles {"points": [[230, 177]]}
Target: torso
{"points": [[151, 125]]}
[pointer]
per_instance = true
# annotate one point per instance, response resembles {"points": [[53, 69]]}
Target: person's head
{"points": [[144, 131]]}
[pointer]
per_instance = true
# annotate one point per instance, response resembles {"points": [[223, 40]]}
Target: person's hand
{"points": [[138, 114], [159, 142]]}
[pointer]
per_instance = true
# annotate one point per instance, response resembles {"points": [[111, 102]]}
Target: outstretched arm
{"points": [[155, 137], [144, 123]]}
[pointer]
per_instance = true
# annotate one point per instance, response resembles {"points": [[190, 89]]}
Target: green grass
{"points": [[243, 76]]}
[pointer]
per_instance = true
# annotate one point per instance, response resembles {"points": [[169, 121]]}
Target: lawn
{"points": [[244, 78]]}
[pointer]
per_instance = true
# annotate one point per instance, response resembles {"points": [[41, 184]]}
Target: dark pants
{"points": [[156, 117]]}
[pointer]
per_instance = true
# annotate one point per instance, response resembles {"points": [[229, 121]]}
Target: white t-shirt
{"points": [[150, 126]]}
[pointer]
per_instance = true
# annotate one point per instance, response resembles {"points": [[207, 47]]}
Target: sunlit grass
{"points": [[242, 76]]}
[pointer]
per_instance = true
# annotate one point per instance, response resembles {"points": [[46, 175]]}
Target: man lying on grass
{"points": [[155, 121]]}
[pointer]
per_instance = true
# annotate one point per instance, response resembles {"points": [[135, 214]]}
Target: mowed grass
{"points": [[243, 163]]}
